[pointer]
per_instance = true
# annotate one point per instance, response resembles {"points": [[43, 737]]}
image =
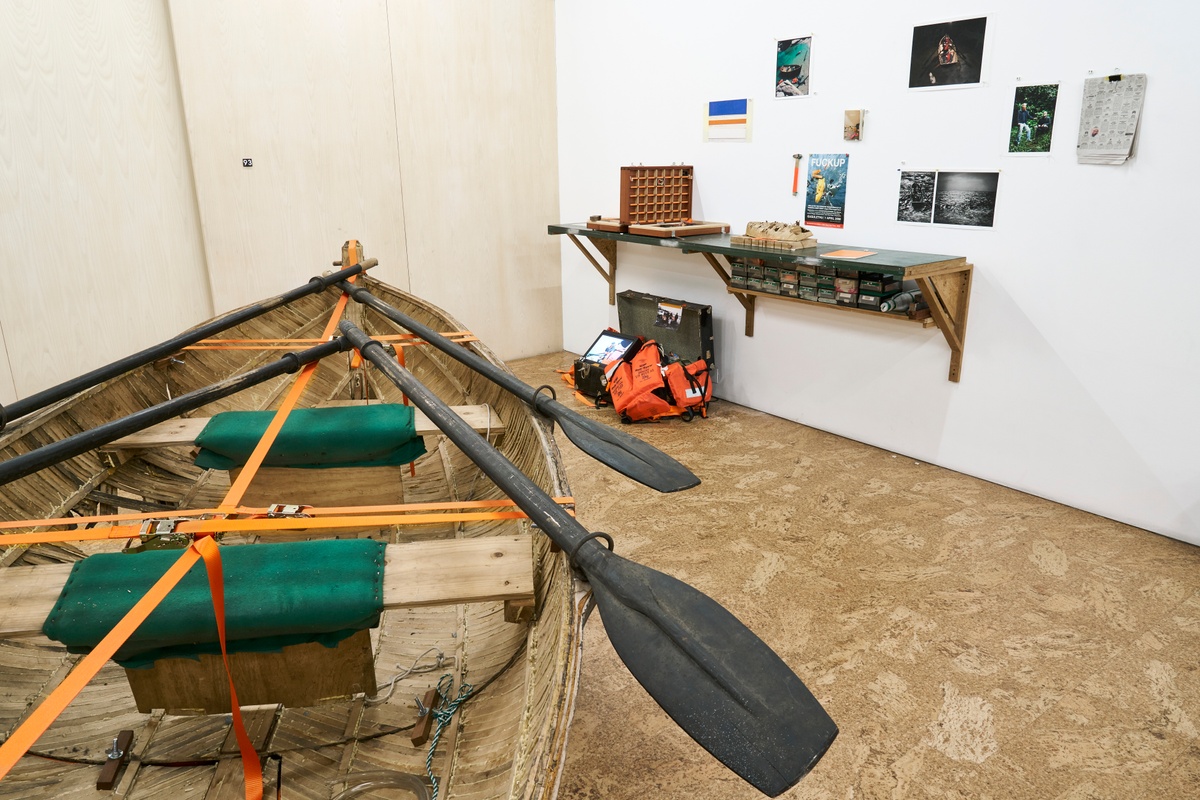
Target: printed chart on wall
{"points": [[948, 198], [947, 54], [728, 121], [1032, 119], [825, 200], [792, 60], [1108, 121]]}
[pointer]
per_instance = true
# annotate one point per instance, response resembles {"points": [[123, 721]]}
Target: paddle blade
{"points": [[722, 684], [627, 454]]}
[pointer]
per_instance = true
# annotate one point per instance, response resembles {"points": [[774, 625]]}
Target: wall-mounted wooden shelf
{"points": [[945, 281]]}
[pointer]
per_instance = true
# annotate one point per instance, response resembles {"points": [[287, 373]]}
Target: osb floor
{"points": [[970, 641]]}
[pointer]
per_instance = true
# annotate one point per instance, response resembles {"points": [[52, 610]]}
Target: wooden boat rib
{"points": [[507, 741]]}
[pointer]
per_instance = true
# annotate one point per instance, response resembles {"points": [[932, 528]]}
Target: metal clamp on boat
{"points": [[277, 510], [161, 534]]}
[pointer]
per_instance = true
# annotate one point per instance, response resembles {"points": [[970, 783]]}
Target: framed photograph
{"points": [[965, 198], [947, 54], [792, 62], [916, 197], [948, 198], [1032, 118]]}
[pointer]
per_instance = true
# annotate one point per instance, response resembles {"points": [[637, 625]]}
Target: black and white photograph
{"points": [[916, 197], [947, 53], [965, 198]]}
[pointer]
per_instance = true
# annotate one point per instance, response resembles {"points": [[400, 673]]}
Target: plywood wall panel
{"points": [[100, 247], [305, 90], [475, 111]]}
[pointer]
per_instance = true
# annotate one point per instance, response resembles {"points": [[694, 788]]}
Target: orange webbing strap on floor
{"points": [[251, 766], [40, 719]]}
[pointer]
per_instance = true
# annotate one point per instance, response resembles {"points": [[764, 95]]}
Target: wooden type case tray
{"points": [[652, 195]]}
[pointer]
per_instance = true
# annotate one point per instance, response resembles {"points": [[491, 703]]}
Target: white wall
{"points": [[1079, 378]]}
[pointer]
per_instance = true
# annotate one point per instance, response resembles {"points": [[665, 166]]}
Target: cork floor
{"points": [[970, 641]]}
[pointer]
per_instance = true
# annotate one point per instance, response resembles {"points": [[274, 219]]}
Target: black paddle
{"points": [[41, 399], [31, 462], [626, 454], [721, 683]]}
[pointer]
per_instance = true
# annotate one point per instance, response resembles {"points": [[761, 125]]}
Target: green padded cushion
{"points": [[275, 595], [379, 435]]}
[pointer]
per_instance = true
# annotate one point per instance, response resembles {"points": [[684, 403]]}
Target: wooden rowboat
{"points": [[518, 647], [445, 580]]}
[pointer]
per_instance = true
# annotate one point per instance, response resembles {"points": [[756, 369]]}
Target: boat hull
{"points": [[507, 741]]}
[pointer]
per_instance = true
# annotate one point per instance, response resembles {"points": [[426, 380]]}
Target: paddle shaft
{"points": [[557, 523], [41, 399], [505, 380], [626, 454], [43, 457]]}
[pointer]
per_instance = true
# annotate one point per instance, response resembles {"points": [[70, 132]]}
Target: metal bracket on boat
{"points": [[276, 510]]}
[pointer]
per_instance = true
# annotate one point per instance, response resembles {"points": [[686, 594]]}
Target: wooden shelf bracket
{"points": [[949, 299], [608, 249], [747, 300]]}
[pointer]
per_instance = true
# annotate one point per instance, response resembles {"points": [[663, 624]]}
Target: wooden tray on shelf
{"points": [[665, 230], [610, 224]]}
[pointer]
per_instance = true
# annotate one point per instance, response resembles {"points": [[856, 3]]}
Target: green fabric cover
{"points": [[275, 595], [380, 435]]}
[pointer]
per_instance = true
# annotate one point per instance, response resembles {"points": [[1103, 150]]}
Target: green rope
{"points": [[443, 711]]}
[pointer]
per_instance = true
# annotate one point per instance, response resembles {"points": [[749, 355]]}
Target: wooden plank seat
{"points": [[183, 431], [325, 487], [424, 573]]}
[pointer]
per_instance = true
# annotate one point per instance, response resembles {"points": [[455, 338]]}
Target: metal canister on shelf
{"points": [[900, 302]]}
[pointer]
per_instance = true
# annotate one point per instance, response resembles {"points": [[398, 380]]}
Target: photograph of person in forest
{"points": [[1032, 118]]}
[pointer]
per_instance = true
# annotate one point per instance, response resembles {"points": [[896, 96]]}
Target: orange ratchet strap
{"points": [[266, 524], [250, 513]]}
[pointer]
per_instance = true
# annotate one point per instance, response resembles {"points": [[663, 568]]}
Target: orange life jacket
{"points": [[637, 387], [690, 386]]}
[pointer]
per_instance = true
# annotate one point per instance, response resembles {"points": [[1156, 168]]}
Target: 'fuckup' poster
{"points": [[825, 200]]}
